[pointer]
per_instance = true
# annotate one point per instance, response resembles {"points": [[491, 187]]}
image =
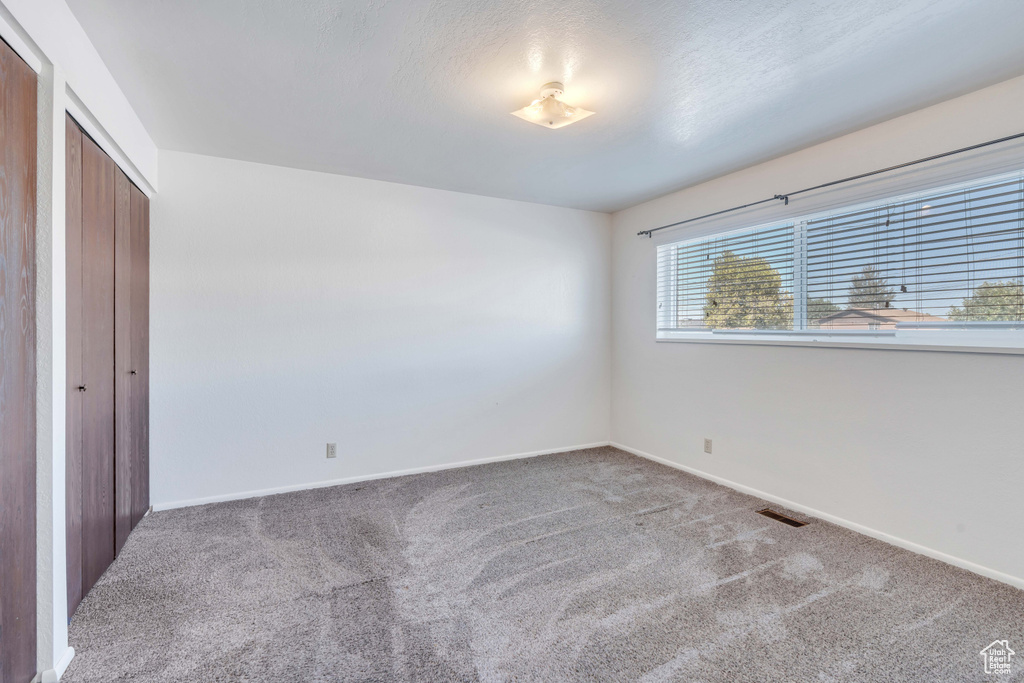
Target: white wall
{"points": [[414, 327], [925, 447]]}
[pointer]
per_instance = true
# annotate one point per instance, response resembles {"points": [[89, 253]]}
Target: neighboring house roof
{"points": [[881, 316]]}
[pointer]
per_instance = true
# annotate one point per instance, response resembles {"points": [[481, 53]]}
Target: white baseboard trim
{"points": [[53, 675], [367, 477], [1014, 581]]}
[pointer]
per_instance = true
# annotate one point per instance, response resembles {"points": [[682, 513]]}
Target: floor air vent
{"points": [[771, 514]]}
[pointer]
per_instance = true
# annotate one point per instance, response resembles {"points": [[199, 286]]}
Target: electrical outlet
{"points": [[332, 450], [707, 445]]}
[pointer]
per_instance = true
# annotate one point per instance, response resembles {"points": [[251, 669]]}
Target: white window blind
{"points": [[943, 266], [739, 280]]}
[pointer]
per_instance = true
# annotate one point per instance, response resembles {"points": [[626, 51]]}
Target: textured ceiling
{"points": [[420, 92]]}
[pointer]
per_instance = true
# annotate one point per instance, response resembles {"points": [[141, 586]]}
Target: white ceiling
{"points": [[420, 92]]}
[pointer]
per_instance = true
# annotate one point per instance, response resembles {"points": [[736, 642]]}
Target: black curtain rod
{"points": [[785, 197]]}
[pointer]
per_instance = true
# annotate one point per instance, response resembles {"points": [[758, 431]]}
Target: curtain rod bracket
{"points": [[783, 198]]}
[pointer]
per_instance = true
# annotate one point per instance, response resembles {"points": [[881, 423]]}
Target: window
{"points": [[942, 268]]}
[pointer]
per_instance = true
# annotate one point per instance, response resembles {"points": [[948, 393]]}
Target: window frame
{"points": [[981, 339]]}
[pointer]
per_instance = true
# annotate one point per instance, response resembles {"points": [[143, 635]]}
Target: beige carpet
{"points": [[594, 565]]}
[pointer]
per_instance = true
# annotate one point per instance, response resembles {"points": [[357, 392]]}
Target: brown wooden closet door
{"points": [[140, 354], [17, 369], [75, 398], [98, 206], [122, 361], [108, 361]]}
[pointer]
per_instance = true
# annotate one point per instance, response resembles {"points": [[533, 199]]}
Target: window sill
{"points": [[888, 341]]}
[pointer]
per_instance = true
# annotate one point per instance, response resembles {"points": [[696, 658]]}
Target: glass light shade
{"points": [[551, 112]]}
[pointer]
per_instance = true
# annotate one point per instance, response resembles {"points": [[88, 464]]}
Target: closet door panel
{"points": [[98, 207], [140, 354], [17, 369], [73, 418], [122, 361]]}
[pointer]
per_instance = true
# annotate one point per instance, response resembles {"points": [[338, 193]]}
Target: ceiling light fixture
{"points": [[549, 111]]}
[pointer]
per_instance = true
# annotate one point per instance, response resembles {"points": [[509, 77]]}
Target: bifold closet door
{"points": [[122, 360], [139, 353], [97, 389], [107, 361], [17, 369], [75, 398]]}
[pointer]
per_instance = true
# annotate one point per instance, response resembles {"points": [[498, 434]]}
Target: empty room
{"points": [[511, 341]]}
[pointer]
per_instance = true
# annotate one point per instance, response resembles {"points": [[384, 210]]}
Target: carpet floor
{"points": [[592, 565]]}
